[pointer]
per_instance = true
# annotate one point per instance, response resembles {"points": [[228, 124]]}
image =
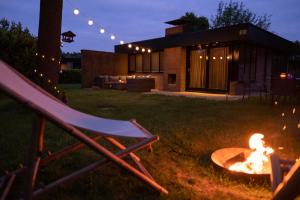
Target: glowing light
{"points": [[36, 54], [49, 81], [102, 30], [283, 75], [228, 57], [76, 12], [54, 87], [294, 110], [137, 48], [41, 75], [129, 45], [43, 56], [143, 50], [35, 70], [280, 148], [221, 58], [53, 59], [57, 91], [276, 103], [284, 128], [149, 50], [282, 114], [90, 22], [257, 161], [112, 37], [121, 42], [214, 58], [298, 126], [201, 57]]}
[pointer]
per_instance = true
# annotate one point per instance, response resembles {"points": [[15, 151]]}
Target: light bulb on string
{"points": [[90, 22], [129, 46], [112, 37], [121, 42], [102, 30], [76, 11], [149, 50], [137, 48]]}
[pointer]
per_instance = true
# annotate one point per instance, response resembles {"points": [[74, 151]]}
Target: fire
{"points": [[257, 161]]}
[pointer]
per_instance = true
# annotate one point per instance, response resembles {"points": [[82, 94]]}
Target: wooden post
{"points": [[35, 151], [48, 47]]}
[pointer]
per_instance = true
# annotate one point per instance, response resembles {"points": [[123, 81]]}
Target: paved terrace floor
{"points": [[200, 95]]}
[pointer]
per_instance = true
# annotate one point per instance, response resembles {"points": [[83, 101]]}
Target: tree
{"points": [[235, 12], [196, 22], [17, 46]]}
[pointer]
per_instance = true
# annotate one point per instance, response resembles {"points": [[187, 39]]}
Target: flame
{"points": [[257, 161]]}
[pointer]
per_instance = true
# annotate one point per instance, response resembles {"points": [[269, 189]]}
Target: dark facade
{"points": [[229, 59]]}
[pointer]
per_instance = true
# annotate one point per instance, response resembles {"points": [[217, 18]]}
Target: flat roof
{"points": [[237, 33]]}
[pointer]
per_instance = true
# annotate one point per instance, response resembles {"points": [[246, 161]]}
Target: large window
{"points": [[146, 62]]}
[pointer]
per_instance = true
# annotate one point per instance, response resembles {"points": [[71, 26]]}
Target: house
{"points": [[70, 61], [227, 60]]}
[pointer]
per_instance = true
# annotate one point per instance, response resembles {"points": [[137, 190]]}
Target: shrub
{"points": [[70, 76]]}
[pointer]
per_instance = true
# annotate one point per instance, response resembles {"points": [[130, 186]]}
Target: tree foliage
{"points": [[17, 46], [235, 12], [197, 22]]}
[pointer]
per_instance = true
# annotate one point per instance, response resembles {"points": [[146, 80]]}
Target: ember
{"points": [[257, 161]]}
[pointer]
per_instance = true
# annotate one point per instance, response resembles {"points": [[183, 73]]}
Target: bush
{"points": [[70, 76]]}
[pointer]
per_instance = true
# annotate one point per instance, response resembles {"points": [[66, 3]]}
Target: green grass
{"points": [[190, 130]]}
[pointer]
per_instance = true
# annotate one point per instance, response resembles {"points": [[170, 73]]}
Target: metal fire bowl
{"points": [[220, 158]]}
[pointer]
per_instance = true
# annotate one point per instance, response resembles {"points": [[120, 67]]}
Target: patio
{"points": [[199, 95]]}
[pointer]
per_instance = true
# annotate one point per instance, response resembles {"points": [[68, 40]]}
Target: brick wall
{"points": [[175, 63], [95, 63]]}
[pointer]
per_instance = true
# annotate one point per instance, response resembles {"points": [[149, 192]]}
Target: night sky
{"points": [[132, 20]]}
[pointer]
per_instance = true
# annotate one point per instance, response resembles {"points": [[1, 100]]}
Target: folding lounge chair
{"points": [[285, 178], [49, 108]]}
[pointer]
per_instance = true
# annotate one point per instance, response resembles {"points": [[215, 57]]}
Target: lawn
{"points": [[190, 130]]}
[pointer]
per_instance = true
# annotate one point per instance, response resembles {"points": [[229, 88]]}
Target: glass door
{"points": [[198, 69]]}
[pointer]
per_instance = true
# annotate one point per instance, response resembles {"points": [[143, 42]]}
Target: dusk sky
{"points": [[132, 20]]}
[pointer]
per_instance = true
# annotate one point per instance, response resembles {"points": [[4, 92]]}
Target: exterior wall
{"points": [[95, 63], [175, 63]]}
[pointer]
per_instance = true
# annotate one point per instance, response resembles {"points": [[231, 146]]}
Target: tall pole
{"points": [[48, 45]]}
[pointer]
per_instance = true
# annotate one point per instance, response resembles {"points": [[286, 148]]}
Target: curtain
{"points": [[146, 62], [132, 63], [197, 68], [155, 61], [218, 68], [139, 63]]}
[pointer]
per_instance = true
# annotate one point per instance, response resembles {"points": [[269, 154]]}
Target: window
{"points": [[146, 62], [132, 63], [139, 62], [155, 62]]}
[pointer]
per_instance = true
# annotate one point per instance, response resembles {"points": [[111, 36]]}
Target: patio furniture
{"points": [[111, 82], [285, 178], [140, 84], [47, 107]]}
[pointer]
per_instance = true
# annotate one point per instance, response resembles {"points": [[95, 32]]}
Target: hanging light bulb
{"points": [[121, 42], [129, 46], [43, 56], [112, 37], [53, 59], [137, 48], [36, 54], [76, 11], [90, 22], [41, 75], [149, 50], [102, 30], [35, 70], [143, 50]]}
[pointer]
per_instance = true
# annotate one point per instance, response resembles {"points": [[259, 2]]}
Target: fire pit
{"points": [[253, 162]]}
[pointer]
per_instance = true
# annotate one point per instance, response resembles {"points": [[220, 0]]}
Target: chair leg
{"points": [[36, 148]]}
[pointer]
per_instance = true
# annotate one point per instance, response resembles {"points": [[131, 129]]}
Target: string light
{"points": [[90, 22], [129, 46], [143, 50], [102, 30], [53, 59], [214, 58], [294, 110], [76, 12], [221, 58], [149, 50], [36, 54], [284, 128], [298, 125], [282, 114], [41, 75], [276, 103], [112, 37], [43, 56], [121, 42], [137, 48], [201, 57], [35, 70]]}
